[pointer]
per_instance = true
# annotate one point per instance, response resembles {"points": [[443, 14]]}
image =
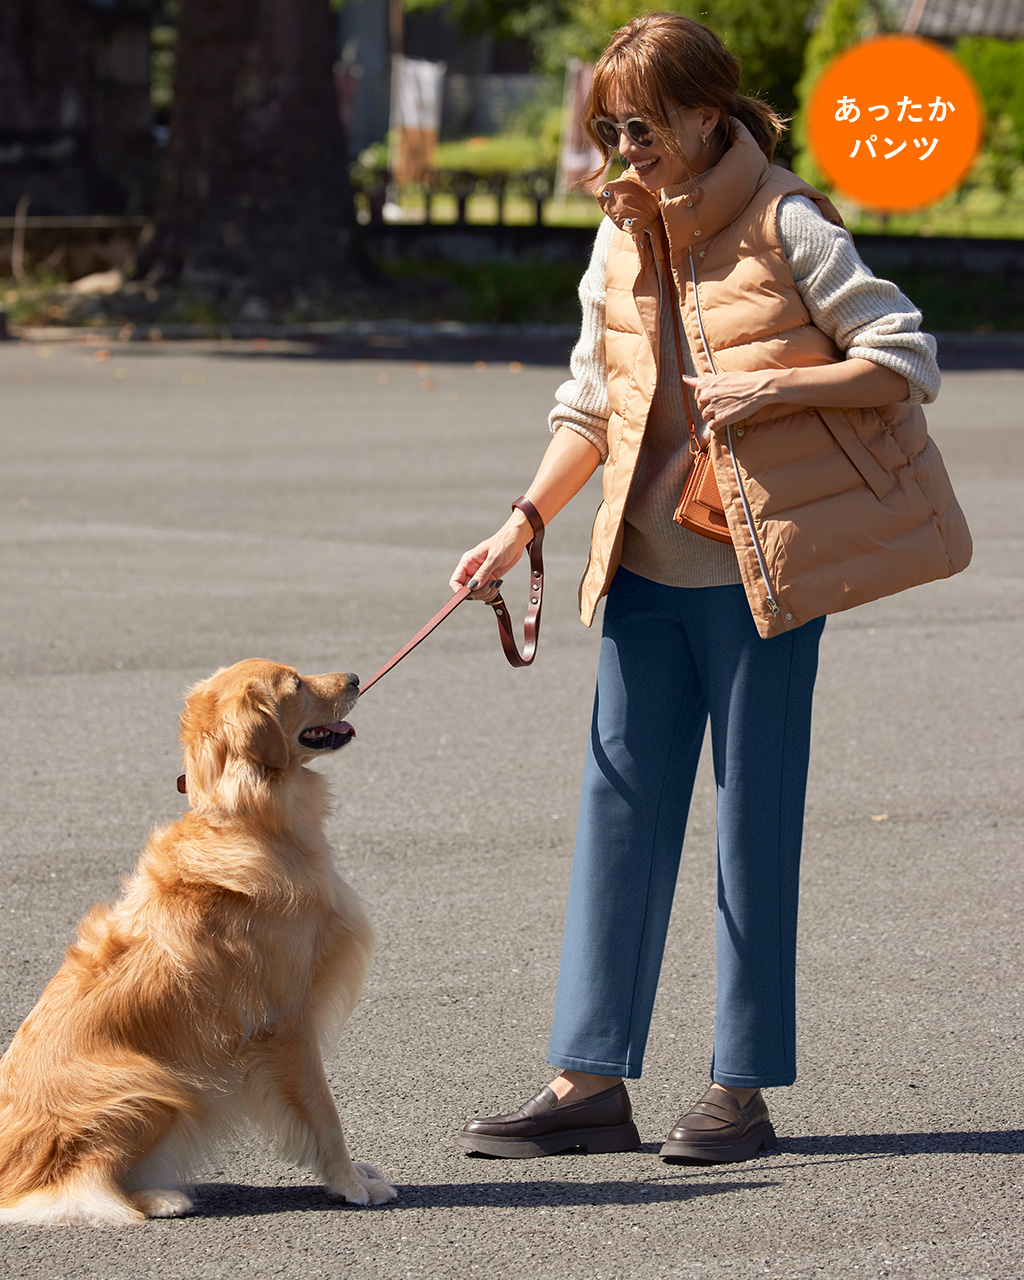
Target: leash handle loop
{"points": [[531, 624]]}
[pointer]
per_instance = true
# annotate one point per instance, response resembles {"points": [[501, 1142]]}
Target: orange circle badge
{"points": [[895, 122]]}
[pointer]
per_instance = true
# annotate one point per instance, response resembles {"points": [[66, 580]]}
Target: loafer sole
{"points": [[759, 1138], [600, 1141]]}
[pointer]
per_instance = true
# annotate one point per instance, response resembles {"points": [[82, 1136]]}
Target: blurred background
{"points": [[267, 162]]}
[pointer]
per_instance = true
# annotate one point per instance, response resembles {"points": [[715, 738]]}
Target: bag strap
{"points": [[531, 623], [696, 444]]}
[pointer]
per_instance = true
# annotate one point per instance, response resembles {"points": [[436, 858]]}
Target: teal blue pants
{"points": [[671, 659]]}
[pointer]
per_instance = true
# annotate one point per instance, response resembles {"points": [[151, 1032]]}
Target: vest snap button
{"points": [[689, 204], [697, 232], [701, 254], [740, 431], [789, 617], [606, 195]]}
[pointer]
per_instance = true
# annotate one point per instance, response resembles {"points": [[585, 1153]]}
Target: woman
{"points": [[808, 373]]}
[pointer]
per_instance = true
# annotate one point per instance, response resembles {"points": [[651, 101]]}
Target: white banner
{"points": [[416, 93], [416, 96]]}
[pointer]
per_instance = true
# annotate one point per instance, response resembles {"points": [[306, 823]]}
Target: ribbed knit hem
{"points": [[688, 560]]}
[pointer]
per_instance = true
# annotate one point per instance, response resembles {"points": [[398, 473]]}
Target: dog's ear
{"points": [[254, 731], [199, 733]]}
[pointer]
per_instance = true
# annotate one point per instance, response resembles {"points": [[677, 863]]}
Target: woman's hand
{"points": [[853, 383], [723, 398], [487, 563], [568, 463]]}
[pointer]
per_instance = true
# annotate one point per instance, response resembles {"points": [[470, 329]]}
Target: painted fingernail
{"points": [[473, 584]]}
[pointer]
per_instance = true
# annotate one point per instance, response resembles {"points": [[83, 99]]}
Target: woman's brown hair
{"points": [[661, 61]]}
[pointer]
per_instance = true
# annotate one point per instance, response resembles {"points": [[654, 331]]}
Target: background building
{"points": [[485, 81]]}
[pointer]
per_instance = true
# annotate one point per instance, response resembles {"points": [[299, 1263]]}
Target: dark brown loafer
{"points": [[541, 1127], [717, 1130]]}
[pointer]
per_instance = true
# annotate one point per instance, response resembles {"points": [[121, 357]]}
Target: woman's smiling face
{"points": [[656, 164]]}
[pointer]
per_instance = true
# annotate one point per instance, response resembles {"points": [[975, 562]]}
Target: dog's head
{"points": [[252, 724]]}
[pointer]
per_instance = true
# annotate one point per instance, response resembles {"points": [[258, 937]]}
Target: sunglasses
{"points": [[609, 131]]}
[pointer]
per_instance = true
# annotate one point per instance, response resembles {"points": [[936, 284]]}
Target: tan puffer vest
{"points": [[828, 508]]}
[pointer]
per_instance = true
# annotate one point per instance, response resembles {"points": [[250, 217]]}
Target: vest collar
{"points": [[696, 209]]}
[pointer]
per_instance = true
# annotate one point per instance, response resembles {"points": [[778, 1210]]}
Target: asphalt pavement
{"points": [[169, 508]]}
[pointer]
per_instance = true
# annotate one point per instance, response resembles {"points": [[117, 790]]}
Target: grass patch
{"points": [[37, 299], [504, 153], [514, 152], [978, 212]]}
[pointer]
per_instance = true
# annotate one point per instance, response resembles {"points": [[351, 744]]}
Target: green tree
{"points": [[768, 37], [841, 25], [998, 68], [530, 20]]}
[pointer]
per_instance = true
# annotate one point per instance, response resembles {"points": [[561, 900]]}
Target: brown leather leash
{"points": [[531, 624]]}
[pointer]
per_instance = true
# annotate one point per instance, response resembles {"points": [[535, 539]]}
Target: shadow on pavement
{"points": [[666, 1182], [528, 1195], [548, 352], [955, 351], [992, 1142], [236, 1200]]}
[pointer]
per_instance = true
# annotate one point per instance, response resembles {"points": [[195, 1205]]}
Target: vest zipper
{"points": [[769, 599]]}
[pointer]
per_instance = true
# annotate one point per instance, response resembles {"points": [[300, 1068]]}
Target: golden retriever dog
{"points": [[202, 997]]}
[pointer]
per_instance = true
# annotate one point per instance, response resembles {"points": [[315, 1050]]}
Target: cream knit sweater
{"points": [[863, 315]]}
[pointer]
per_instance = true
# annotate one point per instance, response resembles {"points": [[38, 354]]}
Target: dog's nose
{"points": [[352, 678]]}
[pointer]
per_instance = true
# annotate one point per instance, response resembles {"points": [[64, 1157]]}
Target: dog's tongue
{"points": [[341, 726]]}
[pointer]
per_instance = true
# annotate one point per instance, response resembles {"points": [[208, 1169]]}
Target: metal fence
{"points": [[375, 190]]}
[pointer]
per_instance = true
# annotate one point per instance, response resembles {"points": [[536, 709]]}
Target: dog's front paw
{"points": [[367, 1187], [162, 1204], [382, 1191]]}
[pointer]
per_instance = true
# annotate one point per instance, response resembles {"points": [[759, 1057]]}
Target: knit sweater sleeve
{"points": [[863, 315], [582, 401]]}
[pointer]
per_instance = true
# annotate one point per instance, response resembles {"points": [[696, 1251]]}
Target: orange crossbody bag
{"points": [[700, 505]]}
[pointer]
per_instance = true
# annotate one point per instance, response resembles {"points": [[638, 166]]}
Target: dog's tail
{"points": [[65, 1163], [86, 1197]]}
